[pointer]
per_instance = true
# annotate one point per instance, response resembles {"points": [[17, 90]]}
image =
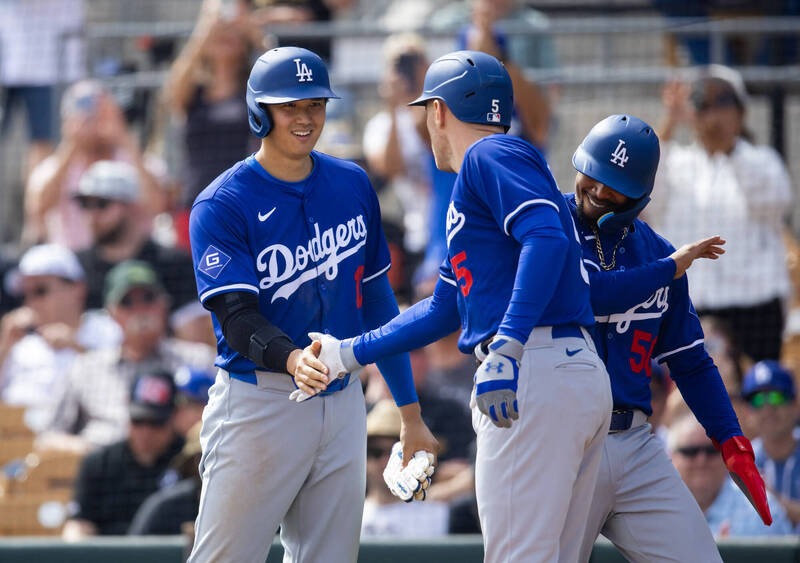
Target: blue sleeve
{"points": [[680, 344], [424, 322], [615, 291], [380, 306], [700, 384], [541, 259]]}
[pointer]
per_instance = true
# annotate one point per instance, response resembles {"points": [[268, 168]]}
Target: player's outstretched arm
{"points": [[619, 290], [710, 248]]}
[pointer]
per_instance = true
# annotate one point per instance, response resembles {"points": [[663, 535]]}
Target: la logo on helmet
{"points": [[620, 154], [303, 72]]}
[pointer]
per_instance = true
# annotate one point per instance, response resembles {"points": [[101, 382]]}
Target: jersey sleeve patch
{"points": [[213, 261]]}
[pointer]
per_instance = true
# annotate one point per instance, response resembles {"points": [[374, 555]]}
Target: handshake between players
{"points": [[327, 359]]}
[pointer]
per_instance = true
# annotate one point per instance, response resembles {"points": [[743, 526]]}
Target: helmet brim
{"points": [[422, 100], [308, 94], [587, 164]]}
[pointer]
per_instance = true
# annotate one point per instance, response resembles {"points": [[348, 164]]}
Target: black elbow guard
{"points": [[270, 348], [249, 333]]}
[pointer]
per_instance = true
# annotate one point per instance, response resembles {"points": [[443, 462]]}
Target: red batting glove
{"points": [[737, 452]]}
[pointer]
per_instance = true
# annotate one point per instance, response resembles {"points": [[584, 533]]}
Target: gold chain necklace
{"points": [[599, 248]]}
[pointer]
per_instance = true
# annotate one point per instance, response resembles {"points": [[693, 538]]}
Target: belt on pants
{"points": [[625, 419], [336, 385], [539, 335]]}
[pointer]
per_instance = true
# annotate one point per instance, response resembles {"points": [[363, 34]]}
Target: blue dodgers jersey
{"points": [[304, 248], [661, 326], [502, 176]]}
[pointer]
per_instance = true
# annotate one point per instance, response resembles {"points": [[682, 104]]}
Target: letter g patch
{"points": [[213, 261]]}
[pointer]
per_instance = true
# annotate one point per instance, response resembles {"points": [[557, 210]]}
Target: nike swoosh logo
{"points": [[265, 216], [573, 352]]}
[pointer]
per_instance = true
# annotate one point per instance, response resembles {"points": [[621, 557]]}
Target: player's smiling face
{"points": [[595, 199], [296, 126]]}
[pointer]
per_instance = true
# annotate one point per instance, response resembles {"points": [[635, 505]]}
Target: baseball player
{"points": [[642, 308], [286, 242], [514, 277]]}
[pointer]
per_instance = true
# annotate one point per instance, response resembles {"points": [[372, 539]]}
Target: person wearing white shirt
{"points": [[723, 183], [40, 340], [396, 144]]}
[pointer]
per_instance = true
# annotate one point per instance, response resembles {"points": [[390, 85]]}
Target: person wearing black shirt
{"points": [[114, 480]]}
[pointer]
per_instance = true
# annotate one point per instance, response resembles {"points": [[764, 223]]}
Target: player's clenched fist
{"points": [[496, 380], [336, 357], [412, 481]]}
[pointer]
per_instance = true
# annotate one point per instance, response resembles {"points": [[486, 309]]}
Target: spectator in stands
{"points": [[385, 514], [92, 410], [268, 13], [528, 50], [770, 392], [193, 324], [107, 194], [93, 128], [397, 146], [724, 183], [726, 508], [40, 339], [532, 115], [41, 47], [450, 421], [171, 508], [192, 384], [114, 480], [205, 98]]}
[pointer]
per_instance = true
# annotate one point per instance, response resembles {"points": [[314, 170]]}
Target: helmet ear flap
{"points": [[259, 119]]}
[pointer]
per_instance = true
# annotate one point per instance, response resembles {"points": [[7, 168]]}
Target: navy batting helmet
{"points": [[281, 75], [622, 152], [474, 85]]}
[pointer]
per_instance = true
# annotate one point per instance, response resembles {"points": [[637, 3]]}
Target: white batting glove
{"points": [[338, 357], [410, 482]]}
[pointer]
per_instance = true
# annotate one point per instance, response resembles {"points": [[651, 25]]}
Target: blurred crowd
{"points": [[104, 343]]}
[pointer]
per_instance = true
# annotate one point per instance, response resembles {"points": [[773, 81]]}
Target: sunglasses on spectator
{"points": [[89, 203], [725, 100], [141, 297], [694, 451], [39, 291], [150, 423], [772, 398]]}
